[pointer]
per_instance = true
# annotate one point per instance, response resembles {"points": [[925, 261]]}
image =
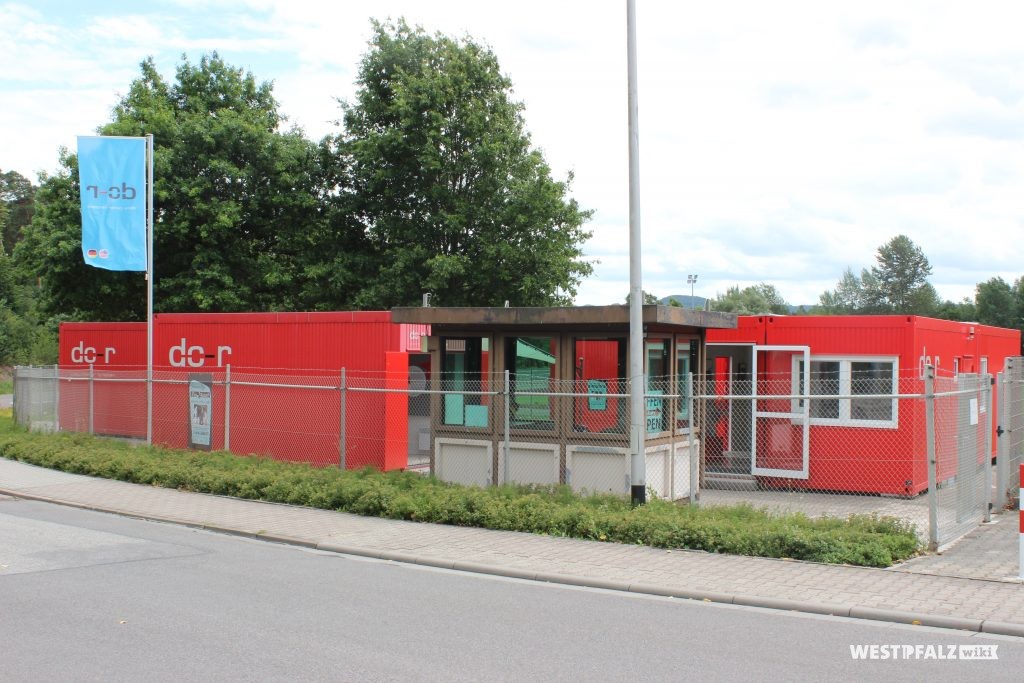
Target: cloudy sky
{"points": [[780, 142]]}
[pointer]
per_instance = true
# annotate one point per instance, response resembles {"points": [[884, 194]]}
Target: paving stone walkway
{"points": [[970, 586]]}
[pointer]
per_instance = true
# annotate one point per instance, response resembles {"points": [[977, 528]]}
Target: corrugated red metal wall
{"points": [[872, 459], [290, 423]]}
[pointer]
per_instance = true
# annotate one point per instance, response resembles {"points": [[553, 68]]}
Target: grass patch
{"points": [[6, 386], [557, 511]]}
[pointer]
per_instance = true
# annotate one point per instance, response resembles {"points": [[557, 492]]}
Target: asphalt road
{"points": [[86, 595]]}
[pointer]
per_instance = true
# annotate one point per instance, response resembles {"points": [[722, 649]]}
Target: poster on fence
{"points": [[200, 411]]}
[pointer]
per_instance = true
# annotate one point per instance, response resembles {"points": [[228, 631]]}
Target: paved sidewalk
{"points": [[910, 593]]}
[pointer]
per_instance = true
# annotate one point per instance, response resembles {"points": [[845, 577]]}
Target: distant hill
{"points": [[684, 300]]}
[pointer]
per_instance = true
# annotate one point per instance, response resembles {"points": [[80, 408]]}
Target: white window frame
{"points": [[845, 395]]}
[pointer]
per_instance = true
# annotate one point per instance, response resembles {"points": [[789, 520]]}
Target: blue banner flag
{"points": [[112, 179]]}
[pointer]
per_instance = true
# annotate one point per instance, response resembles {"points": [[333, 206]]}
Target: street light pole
{"points": [[691, 280], [637, 385]]}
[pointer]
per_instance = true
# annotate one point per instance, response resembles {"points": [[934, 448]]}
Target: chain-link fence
{"points": [[834, 438], [852, 437]]}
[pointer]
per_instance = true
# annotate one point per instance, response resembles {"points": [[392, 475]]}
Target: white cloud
{"points": [[779, 142]]}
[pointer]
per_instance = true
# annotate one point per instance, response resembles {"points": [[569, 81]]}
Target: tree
{"points": [[964, 310], [848, 297], [898, 284], [451, 196], [237, 202], [649, 299], [996, 304], [901, 278], [7, 279], [17, 195], [752, 300]]}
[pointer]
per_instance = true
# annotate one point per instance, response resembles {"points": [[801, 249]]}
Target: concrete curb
{"points": [[916, 619], [810, 607]]}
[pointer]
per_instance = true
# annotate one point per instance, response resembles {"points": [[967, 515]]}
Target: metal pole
{"points": [[227, 407], [149, 291], [933, 498], [56, 398], [341, 424], [508, 410], [987, 397], [694, 456], [637, 423], [17, 391], [91, 400]]}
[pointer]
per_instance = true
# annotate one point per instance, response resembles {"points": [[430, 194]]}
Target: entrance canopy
{"points": [[674, 318]]}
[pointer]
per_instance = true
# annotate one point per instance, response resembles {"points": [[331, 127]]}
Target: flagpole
{"points": [[149, 289]]}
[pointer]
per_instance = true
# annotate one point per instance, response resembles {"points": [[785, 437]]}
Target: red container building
{"points": [[285, 378], [870, 445]]}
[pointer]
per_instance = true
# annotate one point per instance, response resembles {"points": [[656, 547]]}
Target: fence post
{"points": [[227, 407], [987, 498], [507, 401], [17, 392], [341, 423], [692, 444], [56, 398], [1003, 443], [933, 494], [149, 404], [92, 398]]}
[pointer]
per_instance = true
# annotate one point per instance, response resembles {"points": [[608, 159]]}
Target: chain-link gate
{"points": [[1010, 433]]}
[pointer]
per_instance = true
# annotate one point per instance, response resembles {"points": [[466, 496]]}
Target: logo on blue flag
{"points": [[112, 179]]}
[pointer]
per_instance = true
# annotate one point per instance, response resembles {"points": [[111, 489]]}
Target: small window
{"points": [[658, 384], [871, 378], [685, 361], [532, 367], [847, 379], [464, 364]]}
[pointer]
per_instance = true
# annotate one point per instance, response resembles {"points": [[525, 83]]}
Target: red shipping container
{"points": [[846, 452], [302, 354]]}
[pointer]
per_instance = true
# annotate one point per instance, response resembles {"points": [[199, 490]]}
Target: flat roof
{"points": [[566, 316]]}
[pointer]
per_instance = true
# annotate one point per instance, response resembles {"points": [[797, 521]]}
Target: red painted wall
{"points": [[872, 459], [598, 360], [269, 348]]}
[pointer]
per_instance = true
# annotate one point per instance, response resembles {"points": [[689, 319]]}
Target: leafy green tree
{"points": [[238, 211], [648, 298], [4, 213], [848, 297], [898, 284], [996, 304], [752, 300], [450, 194], [964, 310], [17, 202], [7, 279], [901, 279]]}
